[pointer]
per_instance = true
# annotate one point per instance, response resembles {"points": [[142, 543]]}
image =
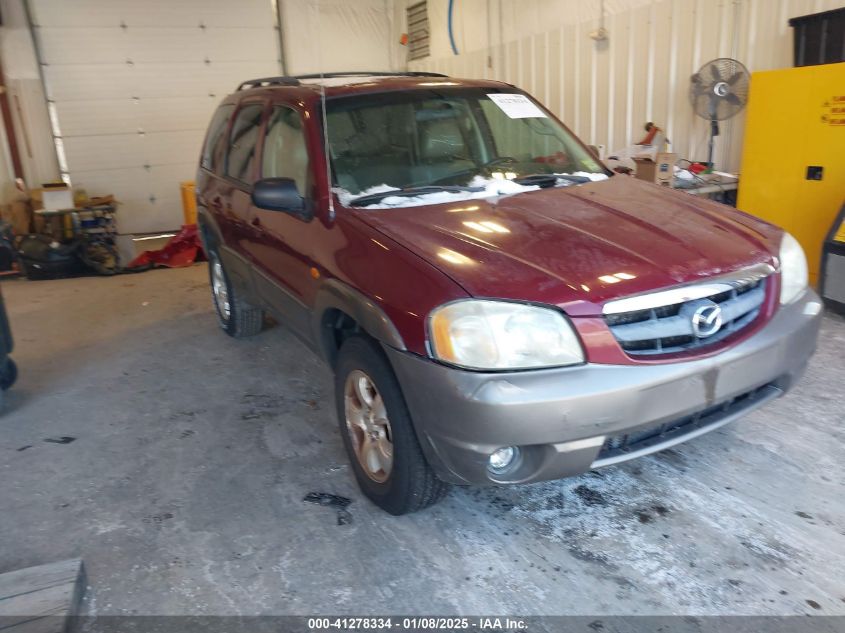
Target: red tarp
{"points": [[183, 249]]}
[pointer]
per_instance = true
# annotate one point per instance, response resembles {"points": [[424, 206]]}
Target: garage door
{"points": [[133, 85]]}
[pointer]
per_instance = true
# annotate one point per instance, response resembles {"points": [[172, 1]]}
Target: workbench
{"points": [[719, 188]]}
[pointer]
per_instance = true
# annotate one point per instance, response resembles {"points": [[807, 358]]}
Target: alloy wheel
{"points": [[368, 426], [220, 290]]}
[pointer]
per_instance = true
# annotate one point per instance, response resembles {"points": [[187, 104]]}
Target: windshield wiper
{"points": [[409, 192], [549, 180]]}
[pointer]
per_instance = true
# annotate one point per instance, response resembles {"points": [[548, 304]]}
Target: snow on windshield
{"points": [[491, 187]]}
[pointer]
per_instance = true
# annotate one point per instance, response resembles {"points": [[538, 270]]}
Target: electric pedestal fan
{"points": [[718, 91]]}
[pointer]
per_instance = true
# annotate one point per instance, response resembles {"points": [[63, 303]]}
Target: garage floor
{"points": [[182, 488]]}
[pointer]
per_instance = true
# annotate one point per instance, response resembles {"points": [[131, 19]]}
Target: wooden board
{"points": [[41, 599]]}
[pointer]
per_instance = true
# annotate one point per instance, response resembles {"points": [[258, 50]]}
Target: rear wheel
{"points": [[8, 373], [378, 433], [236, 317]]}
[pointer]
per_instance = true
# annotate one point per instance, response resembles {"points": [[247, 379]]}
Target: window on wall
{"points": [[418, 41], [242, 141], [285, 153]]}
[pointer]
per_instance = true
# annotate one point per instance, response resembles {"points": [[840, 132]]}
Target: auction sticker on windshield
{"points": [[517, 106]]}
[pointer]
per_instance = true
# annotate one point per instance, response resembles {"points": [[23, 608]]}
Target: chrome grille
{"points": [[667, 329]]}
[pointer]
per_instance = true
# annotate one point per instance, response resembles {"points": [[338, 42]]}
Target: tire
{"points": [[399, 481], [235, 316], [8, 373]]}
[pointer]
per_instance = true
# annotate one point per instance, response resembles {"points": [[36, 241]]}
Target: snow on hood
{"points": [[492, 187]]}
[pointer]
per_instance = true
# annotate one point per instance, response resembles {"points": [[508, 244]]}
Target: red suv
{"points": [[497, 306]]}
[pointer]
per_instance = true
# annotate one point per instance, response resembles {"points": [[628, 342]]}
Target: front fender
{"points": [[336, 295]]}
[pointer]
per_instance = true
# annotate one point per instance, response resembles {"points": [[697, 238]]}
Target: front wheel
{"points": [[236, 317], [379, 436]]}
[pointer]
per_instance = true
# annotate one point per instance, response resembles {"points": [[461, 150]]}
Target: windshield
{"points": [[447, 137]]}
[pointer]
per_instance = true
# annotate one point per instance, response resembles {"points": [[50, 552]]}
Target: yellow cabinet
{"points": [[793, 158]]}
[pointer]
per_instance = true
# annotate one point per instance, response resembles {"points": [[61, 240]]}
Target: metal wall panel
{"points": [[93, 82], [155, 13], [134, 84], [99, 45], [607, 91], [150, 150], [112, 116]]}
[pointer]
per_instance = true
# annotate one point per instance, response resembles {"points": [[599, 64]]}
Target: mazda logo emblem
{"points": [[707, 320]]}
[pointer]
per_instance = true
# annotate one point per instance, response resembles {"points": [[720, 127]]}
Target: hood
{"points": [[578, 247]]}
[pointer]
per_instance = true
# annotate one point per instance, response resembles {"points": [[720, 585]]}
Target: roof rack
{"points": [[368, 73], [268, 81], [264, 82]]}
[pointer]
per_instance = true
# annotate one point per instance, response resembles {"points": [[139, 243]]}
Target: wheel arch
{"points": [[209, 232], [340, 310]]}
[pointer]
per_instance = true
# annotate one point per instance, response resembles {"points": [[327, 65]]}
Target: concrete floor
{"points": [[183, 487]]}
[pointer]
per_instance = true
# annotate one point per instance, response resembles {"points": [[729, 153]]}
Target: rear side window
{"points": [[242, 141], [285, 153], [213, 147]]}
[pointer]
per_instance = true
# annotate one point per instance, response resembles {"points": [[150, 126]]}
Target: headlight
{"points": [[793, 269], [480, 334]]}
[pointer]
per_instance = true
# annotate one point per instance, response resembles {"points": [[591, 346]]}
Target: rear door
{"points": [[209, 177], [281, 244], [240, 173]]}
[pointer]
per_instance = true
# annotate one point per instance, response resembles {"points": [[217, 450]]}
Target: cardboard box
{"points": [[18, 213], [661, 170], [56, 197]]}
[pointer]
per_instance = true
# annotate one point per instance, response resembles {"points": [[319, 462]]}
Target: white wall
{"points": [[133, 84], [607, 91], [479, 24], [31, 121], [339, 35], [604, 91]]}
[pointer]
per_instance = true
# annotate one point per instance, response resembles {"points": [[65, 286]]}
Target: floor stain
{"points": [[262, 406], [644, 517], [590, 496], [65, 439], [344, 517], [592, 557], [157, 519]]}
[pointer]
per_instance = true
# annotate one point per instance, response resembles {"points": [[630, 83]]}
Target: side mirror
{"points": [[280, 194]]}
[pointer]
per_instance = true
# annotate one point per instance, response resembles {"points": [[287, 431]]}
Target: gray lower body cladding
{"points": [[567, 421]]}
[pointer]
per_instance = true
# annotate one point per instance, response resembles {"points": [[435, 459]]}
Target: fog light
{"points": [[503, 459]]}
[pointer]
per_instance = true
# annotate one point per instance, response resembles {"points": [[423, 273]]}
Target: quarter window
{"points": [[285, 152], [244, 136]]}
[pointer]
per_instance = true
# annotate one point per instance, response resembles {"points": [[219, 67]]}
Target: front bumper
{"points": [[569, 420]]}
